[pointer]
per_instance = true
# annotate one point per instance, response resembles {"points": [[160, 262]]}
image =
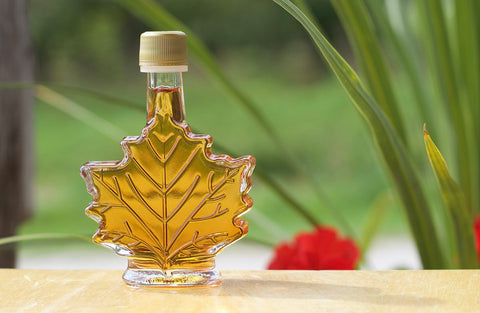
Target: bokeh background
{"points": [[84, 48]]}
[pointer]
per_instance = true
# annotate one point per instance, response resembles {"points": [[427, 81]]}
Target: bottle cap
{"points": [[162, 52]]}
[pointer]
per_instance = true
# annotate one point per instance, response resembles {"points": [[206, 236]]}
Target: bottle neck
{"points": [[165, 96]]}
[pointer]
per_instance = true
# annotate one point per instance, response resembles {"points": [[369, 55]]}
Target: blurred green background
{"points": [[94, 45]]}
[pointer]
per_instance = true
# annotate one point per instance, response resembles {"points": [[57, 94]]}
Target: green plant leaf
{"points": [[79, 112], [438, 44], [400, 40], [43, 236], [376, 216], [73, 89], [390, 146], [157, 17], [456, 206], [468, 51], [361, 33], [305, 8]]}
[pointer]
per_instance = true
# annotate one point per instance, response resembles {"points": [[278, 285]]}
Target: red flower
{"points": [[321, 249], [477, 235]]}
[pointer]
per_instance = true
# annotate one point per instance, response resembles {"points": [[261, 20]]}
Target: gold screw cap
{"points": [[162, 52]]}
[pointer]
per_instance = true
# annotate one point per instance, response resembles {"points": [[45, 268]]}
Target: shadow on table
{"points": [[312, 290], [279, 289]]}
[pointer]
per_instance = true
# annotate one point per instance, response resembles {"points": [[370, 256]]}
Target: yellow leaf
{"points": [[456, 205], [170, 203]]}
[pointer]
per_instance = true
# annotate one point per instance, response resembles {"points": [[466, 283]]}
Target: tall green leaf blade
{"points": [[391, 149], [456, 206], [74, 89], [476, 112], [376, 216], [153, 14], [42, 236], [357, 22], [468, 47], [400, 42], [305, 8], [79, 112], [439, 47]]}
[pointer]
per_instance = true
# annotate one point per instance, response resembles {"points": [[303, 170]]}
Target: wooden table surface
{"points": [[250, 291]]}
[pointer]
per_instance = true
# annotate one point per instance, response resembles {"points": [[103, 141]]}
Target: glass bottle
{"points": [[170, 205]]}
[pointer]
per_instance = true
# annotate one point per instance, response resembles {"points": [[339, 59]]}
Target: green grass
{"points": [[315, 119]]}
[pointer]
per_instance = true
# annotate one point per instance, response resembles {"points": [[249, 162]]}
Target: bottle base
{"points": [[176, 278]]}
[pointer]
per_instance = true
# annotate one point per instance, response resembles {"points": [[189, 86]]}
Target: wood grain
{"points": [[252, 291]]}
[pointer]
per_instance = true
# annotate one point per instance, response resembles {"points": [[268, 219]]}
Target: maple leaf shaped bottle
{"points": [[170, 205]]}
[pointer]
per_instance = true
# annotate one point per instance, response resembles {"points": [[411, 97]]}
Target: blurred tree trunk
{"points": [[16, 106]]}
